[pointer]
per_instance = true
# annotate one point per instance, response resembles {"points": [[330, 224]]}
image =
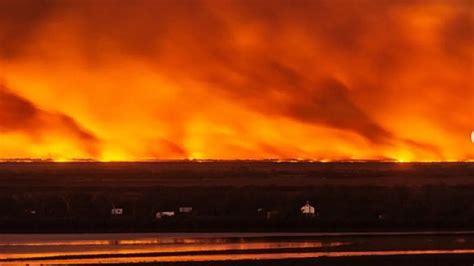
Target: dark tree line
{"points": [[239, 208]]}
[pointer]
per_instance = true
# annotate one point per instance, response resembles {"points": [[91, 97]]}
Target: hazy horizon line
{"points": [[289, 160]]}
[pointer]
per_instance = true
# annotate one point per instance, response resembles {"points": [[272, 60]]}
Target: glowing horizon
{"points": [[223, 80]]}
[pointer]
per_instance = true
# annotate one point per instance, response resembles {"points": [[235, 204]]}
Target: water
{"points": [[123, 248]]}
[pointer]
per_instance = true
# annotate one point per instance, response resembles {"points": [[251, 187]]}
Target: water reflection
{"points": [[121, 248], [135, 245], [138, 249]]}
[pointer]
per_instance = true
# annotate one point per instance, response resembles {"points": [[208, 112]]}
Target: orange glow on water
{"points": [[319, 80]]}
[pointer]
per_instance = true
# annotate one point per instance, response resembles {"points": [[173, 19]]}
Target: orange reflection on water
{"points": [[59, 243], [140, 247]]}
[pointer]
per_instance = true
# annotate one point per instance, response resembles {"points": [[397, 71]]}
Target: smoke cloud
{"points": [[246, 79]]}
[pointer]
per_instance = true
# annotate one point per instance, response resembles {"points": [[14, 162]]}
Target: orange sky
{"points": [[249, 79]]}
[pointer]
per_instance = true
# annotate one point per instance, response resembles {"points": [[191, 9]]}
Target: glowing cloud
{"points": [[321, 80]]}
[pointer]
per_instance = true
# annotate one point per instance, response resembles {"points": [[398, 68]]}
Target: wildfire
{"points": [[321, 80]]}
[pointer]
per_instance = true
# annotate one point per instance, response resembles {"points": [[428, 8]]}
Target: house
{"points": [[308, 210], [30, 211], [161, 214], [185, 209], [116, 211]]}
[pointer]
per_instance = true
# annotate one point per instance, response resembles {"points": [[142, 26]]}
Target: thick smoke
{"points": [[19, 115], [227, 79]]}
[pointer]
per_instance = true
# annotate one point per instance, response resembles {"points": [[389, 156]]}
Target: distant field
{"points": [[235, 196], [234, 173]]}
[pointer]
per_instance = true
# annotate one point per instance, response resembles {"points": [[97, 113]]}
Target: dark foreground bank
{"points": [[419, 260], [416, 260]]}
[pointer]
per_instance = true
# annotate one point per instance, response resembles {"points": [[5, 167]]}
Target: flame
{"points": [[320, 80]]}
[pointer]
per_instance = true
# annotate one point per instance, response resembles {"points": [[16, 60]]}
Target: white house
{"points": [[116, 211], [307, 209], [160, 214]]}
